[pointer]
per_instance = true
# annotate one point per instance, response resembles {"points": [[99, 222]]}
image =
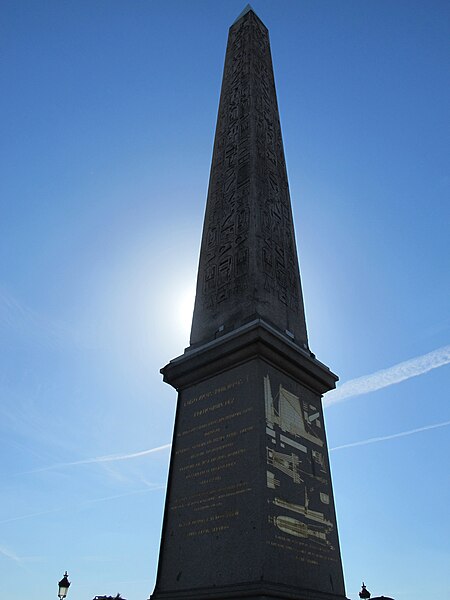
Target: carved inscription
{"points": [[209, 464]]}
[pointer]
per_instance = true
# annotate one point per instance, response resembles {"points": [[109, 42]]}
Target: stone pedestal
{"points": [[249, 508]]}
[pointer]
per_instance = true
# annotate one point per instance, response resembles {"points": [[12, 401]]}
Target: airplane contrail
{"points": [[9, 554], [390, 437], [354, 387], [385, 377], [150, 488], [102, 459]]}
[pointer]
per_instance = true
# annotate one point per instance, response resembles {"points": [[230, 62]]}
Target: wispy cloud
{"points": [[103, 459], [380, 379], [383, 438], [33, 514], [23, 320], [39, 328]]}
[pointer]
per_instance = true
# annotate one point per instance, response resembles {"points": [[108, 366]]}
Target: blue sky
{"points": [[108, 112]]}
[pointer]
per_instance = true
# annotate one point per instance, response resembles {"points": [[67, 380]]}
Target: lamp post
{"points": [[63, 586]]}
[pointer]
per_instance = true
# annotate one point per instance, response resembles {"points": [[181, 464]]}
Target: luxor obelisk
{"points": [[249, 509]]}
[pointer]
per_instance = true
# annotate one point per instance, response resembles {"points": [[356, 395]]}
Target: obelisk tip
{"points": [[247, 9]]}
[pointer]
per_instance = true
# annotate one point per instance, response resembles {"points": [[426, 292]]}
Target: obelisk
{"points": [[249, 509]]}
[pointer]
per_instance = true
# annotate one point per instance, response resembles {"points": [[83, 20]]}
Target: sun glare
{"points": [[184, 310]]}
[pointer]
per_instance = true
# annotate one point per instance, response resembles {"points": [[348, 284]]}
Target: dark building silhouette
{"points": [[364, 594], [249, 509]]}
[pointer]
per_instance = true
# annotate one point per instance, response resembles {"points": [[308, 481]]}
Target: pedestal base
{"points": [[248, 591]]}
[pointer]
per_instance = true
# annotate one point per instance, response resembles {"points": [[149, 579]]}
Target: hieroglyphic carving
{"points": [[279, 258], [227, 222], [248, 219]]}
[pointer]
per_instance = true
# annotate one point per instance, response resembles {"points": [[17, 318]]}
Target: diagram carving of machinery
{"points": [[285, 410], [302, 530], [306, 511], [286, 463]]}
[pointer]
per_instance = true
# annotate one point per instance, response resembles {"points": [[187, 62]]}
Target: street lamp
{"points": [[63, 586]]}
